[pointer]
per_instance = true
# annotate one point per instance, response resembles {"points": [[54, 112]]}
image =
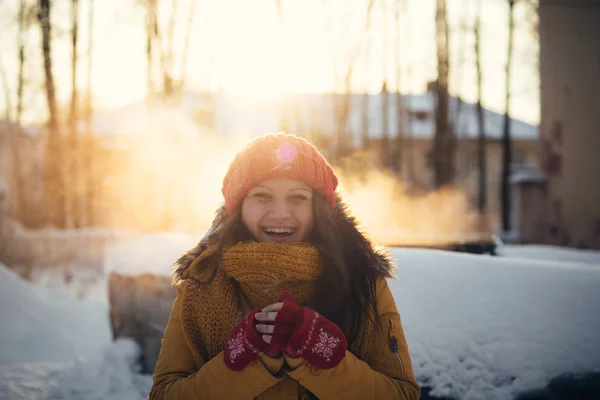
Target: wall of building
{"points": [[570, 119]]}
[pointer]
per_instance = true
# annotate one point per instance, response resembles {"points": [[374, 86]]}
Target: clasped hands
{"points": [[299, 331]]}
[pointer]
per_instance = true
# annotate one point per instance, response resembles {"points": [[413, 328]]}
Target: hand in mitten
{"points": [[302, 332], [244, 344]]}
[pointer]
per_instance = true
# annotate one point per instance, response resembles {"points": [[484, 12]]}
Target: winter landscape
{"points": [[478, 326], [464, 135]]}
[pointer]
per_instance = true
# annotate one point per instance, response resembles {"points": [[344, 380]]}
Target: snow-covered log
{"points": [[139, 309]]}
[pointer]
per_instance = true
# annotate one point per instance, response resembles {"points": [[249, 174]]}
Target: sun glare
{"points": [[265, 56]]}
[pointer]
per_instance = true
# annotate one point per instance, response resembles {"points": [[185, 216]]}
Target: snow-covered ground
{"points": [[478, 327]]}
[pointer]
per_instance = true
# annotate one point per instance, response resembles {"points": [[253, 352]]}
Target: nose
{"points": [[280, 209]]}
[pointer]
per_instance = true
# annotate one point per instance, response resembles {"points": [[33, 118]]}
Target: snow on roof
{"points": [[143, 120], [317, 113], [238, 115], [528, 175]]}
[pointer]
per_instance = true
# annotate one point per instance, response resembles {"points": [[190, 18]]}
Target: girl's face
{"points": [[279, 210]]}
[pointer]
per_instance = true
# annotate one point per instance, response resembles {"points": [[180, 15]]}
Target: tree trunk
{"points": [[364, 120], [7, 97], [151, 32], [72, 155], [21, 204], [506, 140], [186, 45], [444, 143], [397, 150], [482, 172], [385, 130], [384, 151], [54, 179], [90, 181], [167, 64]]}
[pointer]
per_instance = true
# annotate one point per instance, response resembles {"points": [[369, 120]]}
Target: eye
{"points": [[298, 197], [261, 196]]}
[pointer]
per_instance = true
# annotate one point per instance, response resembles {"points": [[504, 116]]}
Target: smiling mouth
{"points": [[279, 232]]}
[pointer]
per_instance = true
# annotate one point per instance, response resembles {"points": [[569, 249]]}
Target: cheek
{"points": [[251, 215], [305, 217]]}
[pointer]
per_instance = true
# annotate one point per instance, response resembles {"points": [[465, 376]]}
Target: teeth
{"points": [[279, 230]]}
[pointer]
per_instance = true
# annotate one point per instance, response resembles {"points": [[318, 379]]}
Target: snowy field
{"points": [[478, 327]]}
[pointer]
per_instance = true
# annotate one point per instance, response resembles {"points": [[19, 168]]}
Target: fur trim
{"points": [[360, 244]]}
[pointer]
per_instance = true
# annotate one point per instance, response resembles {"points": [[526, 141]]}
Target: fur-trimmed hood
{"points": [[356, 241]]}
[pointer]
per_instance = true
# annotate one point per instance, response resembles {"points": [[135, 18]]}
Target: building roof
{"points": [[232, 114]]}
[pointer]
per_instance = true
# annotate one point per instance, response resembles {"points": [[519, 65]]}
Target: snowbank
{"points": [[477, 326], [61, 348], [551, 253], [36, 330], [492, 327], [153, 253], [27, 248]]}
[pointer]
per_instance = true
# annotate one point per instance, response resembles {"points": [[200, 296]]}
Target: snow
{"points": [[57, 346], [146, 121], [477, 326], [551, 253], [492, 327], [152, 253], [237, 115], [528, 175]]}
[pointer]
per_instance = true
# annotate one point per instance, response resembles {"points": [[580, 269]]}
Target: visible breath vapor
{"points": [[174, 184]]}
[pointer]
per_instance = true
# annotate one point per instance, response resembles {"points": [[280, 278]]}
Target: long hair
{"points": [[351, 263]]}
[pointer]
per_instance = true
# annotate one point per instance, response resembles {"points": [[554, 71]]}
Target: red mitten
{"points": [[288, 320], [244, 344], [320, 342]]}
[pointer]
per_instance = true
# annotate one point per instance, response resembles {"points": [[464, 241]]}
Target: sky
{"points": [[245, 47]]}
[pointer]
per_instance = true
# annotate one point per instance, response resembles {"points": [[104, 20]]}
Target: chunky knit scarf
{"points": [[260, 271]]}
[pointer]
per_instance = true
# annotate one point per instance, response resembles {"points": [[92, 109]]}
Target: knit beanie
{"points": [[274, 156]]}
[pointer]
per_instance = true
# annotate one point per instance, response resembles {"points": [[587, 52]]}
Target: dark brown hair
{"points": [[351, 263]]}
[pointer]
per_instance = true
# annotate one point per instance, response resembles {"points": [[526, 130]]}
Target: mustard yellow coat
{"points": [[386, 375]]}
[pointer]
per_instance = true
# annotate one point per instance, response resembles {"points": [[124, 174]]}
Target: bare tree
{"points": [[72, 153], [342, 141], [384, 151], [7, 96], [444, 142], [151, 33], [22, 17], [160, 41], [21, 203], [90, 181], [397, 149], [186, 45], [482, 171], [506, 139], [54, 179], [167, 52]]}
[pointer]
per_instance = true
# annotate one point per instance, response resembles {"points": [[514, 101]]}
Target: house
{"points": [[204, 119], [316, 116]]}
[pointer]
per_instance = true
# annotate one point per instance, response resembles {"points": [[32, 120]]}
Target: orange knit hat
{"points": [[273, 156]]}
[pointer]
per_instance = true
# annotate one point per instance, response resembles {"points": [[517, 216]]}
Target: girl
{"points": [[284, 298]]}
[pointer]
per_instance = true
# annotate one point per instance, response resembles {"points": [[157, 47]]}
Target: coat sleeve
{"points": [[387, 375], [177, 377]]}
